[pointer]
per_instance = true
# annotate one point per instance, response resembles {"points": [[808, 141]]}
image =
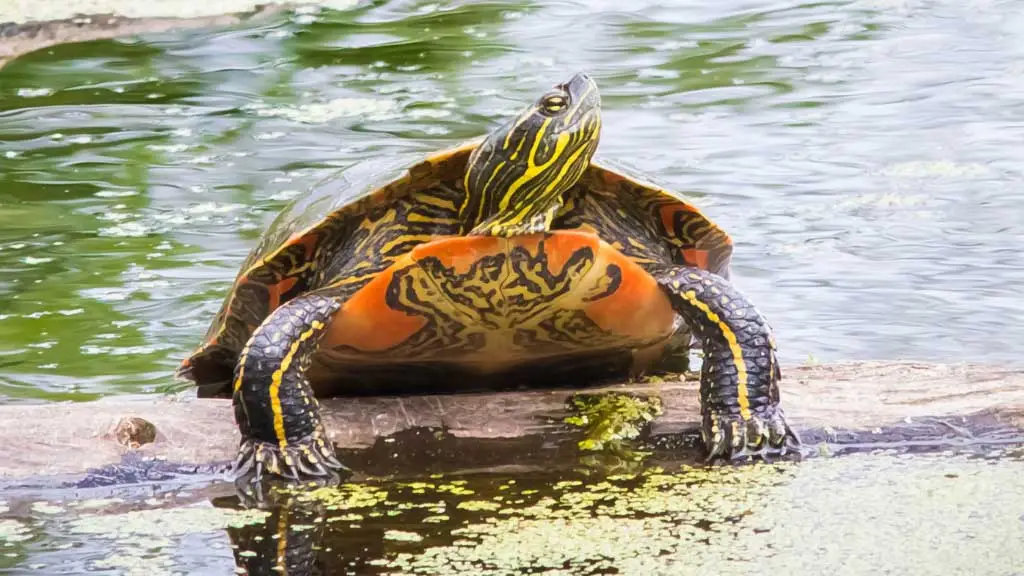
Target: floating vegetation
{"points": [[143, 541], [919, 513], [611, 417], [344, 497], [730, 520], [478, 505], [164, 522], [402, 536]]}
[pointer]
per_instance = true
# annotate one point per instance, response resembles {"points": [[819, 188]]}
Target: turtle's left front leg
{"points": [[282, 433], [739, 383]]}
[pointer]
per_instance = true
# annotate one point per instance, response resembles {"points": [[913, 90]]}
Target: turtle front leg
{"points": [[739, 382], [282, 432]]}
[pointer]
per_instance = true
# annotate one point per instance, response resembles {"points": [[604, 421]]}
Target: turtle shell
{"points": [[667, 217], [320, 240]]}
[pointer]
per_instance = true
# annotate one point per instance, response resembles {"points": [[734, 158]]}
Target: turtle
{"points": [[515, 259]]}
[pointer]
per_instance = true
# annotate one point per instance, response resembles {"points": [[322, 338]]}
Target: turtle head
{"points": [[516, 177]]}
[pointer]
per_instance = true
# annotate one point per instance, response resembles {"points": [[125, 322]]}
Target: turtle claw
{"points": [[316, 469], [762, 436], [309, 459]]}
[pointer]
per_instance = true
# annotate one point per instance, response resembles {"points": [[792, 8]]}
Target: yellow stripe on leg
{"points": [[282, 542], [734, 347], [275, 382]]}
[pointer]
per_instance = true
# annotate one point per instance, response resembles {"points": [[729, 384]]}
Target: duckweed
{"points": [[930, 516], [611, 417], [402, 536]]}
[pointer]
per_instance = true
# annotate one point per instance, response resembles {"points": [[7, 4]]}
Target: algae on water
{"points": [[611, 417], [143, 541], [861, 514]]}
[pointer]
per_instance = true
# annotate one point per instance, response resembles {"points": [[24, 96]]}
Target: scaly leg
{"points": [[282, 433], [739, 383]]}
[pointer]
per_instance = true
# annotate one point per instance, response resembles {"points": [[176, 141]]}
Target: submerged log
{"points": [[71, 438]]}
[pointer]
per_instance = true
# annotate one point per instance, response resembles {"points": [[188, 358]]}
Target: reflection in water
{"points": [[287, 541], [669, 517]]}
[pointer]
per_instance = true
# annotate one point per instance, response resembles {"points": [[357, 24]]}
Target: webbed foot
{"points": [[763, 435], [308, 459], [283, 435], [739, 379]]}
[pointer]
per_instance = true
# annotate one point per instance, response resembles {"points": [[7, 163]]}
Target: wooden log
{"points": [[71, 438]]}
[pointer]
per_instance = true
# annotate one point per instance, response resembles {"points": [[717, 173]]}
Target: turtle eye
{"points": [[554, 103]]}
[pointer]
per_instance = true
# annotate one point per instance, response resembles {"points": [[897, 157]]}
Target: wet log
{"points": [[71, 438], [28, 27]]}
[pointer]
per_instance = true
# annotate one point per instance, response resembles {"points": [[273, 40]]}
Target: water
{"points": [[925, 514], [865, 155]]}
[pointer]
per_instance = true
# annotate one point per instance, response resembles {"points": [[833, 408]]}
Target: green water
{"points": [[865, 155]]}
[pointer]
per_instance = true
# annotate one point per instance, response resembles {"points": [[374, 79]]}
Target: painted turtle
{"points": [[514, 259]]}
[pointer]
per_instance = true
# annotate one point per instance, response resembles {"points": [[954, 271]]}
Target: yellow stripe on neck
{"points": [[532, 168], [275, 381], [734, 347]]}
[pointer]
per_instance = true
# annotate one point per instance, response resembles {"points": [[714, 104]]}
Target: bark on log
{"points": [[71, 438]]}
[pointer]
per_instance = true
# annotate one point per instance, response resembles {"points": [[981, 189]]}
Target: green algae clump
{"points": [[478, 505], [345, 497], [612, 417], [402, 536]]}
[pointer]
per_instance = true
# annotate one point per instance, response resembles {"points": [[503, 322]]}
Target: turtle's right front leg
{"points": [[739, 380], [282, 433]]}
